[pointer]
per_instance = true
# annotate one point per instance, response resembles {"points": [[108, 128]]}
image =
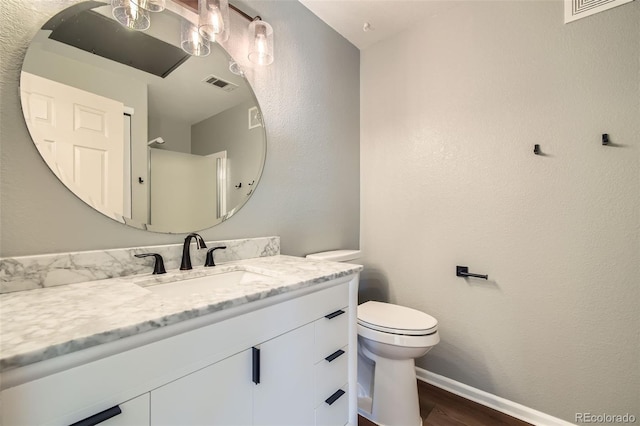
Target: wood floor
{"points": [[442, 408]]}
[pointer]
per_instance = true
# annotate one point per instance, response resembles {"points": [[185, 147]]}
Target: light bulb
{"points": [[192, 41], [213, 16], [260, 43]]}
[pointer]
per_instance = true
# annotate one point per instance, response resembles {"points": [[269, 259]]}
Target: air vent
{"points": [[220, 83], [576, 9]]}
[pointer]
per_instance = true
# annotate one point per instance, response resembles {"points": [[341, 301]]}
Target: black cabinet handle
{"points": [[336, 396], [332, 315], [100, 417], [256, 365], [334, 355]]}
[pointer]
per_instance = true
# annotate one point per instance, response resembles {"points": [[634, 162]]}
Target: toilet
{"points": [[390, 338]]}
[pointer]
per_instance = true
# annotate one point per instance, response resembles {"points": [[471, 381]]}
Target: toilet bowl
{"points": [[390, 338]]}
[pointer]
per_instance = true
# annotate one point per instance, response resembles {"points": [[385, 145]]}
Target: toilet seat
{"points": [[395, 319]]}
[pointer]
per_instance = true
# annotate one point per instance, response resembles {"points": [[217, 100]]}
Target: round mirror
{"points": [[136, 127]]}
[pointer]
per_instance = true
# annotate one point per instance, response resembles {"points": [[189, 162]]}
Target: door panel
{"points": [[84, 142]]}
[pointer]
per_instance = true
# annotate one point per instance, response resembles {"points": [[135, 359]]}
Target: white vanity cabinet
{"points": [[291, 362], [265, 385], [219, 394], [283, 394]]}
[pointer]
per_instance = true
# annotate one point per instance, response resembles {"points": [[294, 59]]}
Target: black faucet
{"points": [[209, 260], [186, 256]]}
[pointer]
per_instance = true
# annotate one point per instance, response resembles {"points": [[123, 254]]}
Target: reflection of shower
{"points": [[158, 141]]}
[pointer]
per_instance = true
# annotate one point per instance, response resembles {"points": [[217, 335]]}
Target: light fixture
{"points": [[192, 41], [260, 42], [213, 17], [235, 68], [130, 15], [212, 26], [150, 5]]}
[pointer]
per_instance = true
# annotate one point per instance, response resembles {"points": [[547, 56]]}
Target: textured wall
{"points": [[451, 110], [309, 190]]}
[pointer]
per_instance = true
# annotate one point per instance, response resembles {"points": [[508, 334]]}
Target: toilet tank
{"points": [[336, 255]]}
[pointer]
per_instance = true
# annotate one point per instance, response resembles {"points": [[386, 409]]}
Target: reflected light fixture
{"points": [[212, 26], [130, 15], [192, 41], [213, 17], [150, 5]]}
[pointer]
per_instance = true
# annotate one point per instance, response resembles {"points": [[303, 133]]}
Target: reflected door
{"points": [[81, 137]]}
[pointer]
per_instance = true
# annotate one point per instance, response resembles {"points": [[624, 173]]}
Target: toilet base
{"points": [[395, 393]]}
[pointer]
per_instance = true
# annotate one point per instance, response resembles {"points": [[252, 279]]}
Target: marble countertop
{"points": [[45, 323]]}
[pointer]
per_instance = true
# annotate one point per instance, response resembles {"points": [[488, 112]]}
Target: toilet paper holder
{"points": [[463, 271]]}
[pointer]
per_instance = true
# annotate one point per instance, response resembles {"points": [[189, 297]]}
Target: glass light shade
{"points": [[130, 15], [260, 43], [192, 41], [150, 5], [213, 18]]}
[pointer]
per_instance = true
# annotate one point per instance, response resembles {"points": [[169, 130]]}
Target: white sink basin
{"points": [[208, 283]]}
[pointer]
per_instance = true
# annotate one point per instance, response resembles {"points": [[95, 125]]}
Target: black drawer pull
{"points": [[100, 417], [256, 366], [334, 355], [332, 315], [336, 396]]}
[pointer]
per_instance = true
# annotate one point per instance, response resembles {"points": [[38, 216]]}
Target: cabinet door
{"points": [[219, 394], [285, 394]]}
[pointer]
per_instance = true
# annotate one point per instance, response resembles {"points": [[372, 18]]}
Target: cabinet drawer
{"points": [[332, 333], [331, 375], [135, 412], [336, 414]]}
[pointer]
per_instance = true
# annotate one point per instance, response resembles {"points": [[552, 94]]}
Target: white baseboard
{"points": [[487, 399]]}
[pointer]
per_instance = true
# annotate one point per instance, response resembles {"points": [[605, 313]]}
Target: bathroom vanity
{"points": [[276, 349]]}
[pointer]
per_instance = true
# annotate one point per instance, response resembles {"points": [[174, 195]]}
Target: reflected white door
{"points": [[80, 136]]}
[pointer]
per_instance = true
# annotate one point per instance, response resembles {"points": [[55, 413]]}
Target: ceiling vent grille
{"points": [[576, 9], [220, 83]]}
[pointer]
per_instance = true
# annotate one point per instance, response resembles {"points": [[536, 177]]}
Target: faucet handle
{"points": [[158, 267], [209, 261]]}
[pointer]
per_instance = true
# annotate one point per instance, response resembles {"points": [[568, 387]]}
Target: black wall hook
{"points": [[605, 139], [537, 150]]}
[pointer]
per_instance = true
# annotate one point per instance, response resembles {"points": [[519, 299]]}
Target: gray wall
{"points": [[449, 178], [309, 190], [175, 132]]}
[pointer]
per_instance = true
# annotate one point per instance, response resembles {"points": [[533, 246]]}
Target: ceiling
{"points": [[385, 17]]}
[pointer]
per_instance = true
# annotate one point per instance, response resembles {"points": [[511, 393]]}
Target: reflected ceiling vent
{"points": [[220, 83], [576, 9]]}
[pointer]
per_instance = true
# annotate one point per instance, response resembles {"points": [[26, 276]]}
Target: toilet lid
{"points": [[395, 319]]}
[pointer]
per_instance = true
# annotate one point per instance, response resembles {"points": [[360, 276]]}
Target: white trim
{"points": [[129, 110], [487, 399]]}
